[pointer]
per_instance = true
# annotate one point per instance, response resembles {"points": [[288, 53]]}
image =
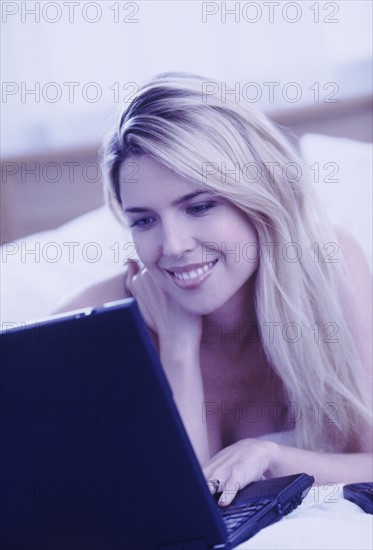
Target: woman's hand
{"points": [[238, 465], [173, 325]]}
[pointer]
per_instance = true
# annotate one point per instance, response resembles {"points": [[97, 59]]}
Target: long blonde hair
{"points": [[185, 124]]}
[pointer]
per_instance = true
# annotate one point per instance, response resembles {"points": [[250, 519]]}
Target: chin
{"points": [[199, 307]]}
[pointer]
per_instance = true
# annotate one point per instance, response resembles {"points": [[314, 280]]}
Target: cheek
{"points": [[244, 250], [251, 236]]}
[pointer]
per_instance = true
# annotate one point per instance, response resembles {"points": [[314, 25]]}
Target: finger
{"points": [[213, 485], [217, 464], [132, 267], [229, 491], [127, 290]]}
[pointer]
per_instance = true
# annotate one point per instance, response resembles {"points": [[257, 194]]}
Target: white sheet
{"points": [[325, 520]]}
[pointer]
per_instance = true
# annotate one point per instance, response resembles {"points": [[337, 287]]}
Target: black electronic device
{"points": [[361, 494]]}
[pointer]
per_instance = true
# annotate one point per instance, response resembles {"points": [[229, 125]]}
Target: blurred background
{"points": [[116, 46], [69, 68]]}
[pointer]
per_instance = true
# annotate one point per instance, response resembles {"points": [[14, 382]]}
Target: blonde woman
{"points": [[259, 309]]}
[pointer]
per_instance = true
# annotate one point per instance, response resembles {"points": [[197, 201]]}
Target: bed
{"points": [[57, 236]]}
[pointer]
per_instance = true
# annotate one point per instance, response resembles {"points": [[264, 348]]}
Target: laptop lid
{"points": [[94, 454]]}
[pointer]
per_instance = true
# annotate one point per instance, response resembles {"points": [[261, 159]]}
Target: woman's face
{"points": [[200, 248]]}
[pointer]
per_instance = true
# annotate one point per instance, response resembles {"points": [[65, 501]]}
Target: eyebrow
{"points": [[176, 202]]}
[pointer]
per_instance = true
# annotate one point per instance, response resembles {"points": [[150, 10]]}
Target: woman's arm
{"points": [[182, 367], [178, 336], [325, 467], [94, 295], [249, 459]]}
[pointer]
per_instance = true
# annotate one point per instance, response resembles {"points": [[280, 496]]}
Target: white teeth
{"points": [[194, 273]]}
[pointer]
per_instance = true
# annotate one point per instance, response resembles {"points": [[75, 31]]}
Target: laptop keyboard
{"points": [[235, 516]]}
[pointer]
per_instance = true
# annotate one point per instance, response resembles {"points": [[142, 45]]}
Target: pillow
{"points": [[41, 269], [342, 172]]}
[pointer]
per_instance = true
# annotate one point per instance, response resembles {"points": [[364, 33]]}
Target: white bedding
{"points": [[325, 520], [32, 284]]}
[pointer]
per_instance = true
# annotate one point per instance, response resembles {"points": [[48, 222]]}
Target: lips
{"points": [[192, 275]]}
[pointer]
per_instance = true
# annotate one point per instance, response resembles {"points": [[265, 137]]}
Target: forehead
{"points": [[142, 177]]}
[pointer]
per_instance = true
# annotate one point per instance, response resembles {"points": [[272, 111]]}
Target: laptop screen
{"points": [[93, 448]]}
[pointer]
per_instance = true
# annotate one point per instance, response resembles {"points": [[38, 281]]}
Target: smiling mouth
{"points": [[196, 274]]}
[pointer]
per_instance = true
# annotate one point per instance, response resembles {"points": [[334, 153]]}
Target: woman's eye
{"points": [[141, 223], [200, 208]]}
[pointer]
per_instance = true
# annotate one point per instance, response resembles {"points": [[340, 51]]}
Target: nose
{"points": [[176, 238]]}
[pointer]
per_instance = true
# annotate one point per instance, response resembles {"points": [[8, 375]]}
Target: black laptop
{"points": [[94, 455]]}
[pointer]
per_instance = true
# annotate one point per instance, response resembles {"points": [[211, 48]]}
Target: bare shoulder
{"points": [[94, 295], [353, 255], [357, 270], [360, 278]]}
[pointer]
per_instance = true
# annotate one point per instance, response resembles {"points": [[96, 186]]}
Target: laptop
{"points": [[94, 454]]}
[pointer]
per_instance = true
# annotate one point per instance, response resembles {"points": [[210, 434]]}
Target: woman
{"points": [[258, 308]]}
